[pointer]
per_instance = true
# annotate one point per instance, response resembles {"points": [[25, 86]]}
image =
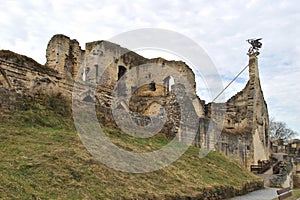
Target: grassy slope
{"points": [[42, 157]]}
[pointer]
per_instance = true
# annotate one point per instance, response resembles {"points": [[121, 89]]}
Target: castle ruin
{"points": [[142, 92]]}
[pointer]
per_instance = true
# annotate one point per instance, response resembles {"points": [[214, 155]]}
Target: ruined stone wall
{"points": [[244, 121], [107, 72], [104, 62], [27, 76], [64, 55], [100, 65], [260, 119], [103, 65]]}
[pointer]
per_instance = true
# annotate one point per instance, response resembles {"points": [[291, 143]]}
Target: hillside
{"points": [[42, 157]]}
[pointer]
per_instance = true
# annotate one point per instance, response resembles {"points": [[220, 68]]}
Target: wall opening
{"points": [[85, 72], [121, 71], [89, 99], [168, 82], [97, 70], [153, 86]]}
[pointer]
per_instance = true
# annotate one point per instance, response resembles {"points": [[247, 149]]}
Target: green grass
{"points": [[43, 157], [296, 193]]}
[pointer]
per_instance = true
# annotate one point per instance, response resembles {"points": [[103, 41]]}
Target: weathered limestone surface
{"points": [[245, 133], [142, 91], [25, 75], [64, 55]]}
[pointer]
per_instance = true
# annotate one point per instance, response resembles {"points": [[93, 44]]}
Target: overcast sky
{"points": [[220, 27]]}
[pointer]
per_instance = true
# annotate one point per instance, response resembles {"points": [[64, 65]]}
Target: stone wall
{"points": [[27, 76], [64, 55], [123, 80], [10, 100], [244, 121]]}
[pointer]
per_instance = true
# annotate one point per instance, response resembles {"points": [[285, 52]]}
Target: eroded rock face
{"points": [[115, 78]]}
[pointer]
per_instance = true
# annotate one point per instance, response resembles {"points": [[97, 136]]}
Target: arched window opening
{"points": [[168, 82]]}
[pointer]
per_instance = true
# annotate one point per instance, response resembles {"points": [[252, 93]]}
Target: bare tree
{"points": [[279, 130]]}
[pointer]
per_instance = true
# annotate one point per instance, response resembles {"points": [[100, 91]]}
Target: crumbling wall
{"points": [[122, 75], [27, 78], [244, 121], [64, 55], [258, 109]]}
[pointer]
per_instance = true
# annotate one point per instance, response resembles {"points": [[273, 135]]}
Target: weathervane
{"points": [[255, 46]]}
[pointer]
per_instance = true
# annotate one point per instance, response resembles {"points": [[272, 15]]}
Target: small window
{"points": [[122, 70], [97, 70], [153, 86]]}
